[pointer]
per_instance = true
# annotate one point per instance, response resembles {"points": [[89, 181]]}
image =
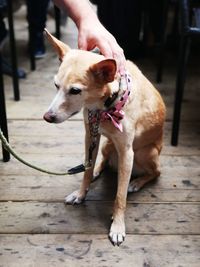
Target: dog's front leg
{"points": [[125, 164], [78, 196]]}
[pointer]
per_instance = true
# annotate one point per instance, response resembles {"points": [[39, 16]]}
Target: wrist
{"points": [[89, 19]]}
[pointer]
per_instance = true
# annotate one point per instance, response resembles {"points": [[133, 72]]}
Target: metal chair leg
{"points": [[183, 58], [31, 49], [57, 21], [30, 41], [163, 41], [3, 119], [13, 52]]}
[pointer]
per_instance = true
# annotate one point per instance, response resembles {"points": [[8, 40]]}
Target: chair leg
{"points": [[30, 38], [31, 49], [13, 52], [163, 41], [57, 21], [183, 58], [3, 119]]}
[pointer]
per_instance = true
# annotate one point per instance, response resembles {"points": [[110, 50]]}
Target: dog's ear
{"points": [[59, 46], [105, 70]]}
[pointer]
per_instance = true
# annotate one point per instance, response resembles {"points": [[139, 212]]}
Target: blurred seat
{"points": [[189, 31], [189, 23]]}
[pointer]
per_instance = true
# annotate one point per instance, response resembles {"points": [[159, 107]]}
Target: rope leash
{"points": [[77, 169]]}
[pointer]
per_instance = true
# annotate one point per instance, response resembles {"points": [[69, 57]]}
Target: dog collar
{"points": [[115, 113]]}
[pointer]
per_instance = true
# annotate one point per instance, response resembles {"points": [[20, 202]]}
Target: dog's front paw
{"points": [[117, 233], [74, 198]]}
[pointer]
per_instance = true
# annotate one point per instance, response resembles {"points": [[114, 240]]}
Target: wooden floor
{"points": [[37, 229]]}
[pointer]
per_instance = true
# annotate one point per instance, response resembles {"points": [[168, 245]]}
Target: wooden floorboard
{"points": [[95, 217], [95, 250], [38, 230], [172, 186]]}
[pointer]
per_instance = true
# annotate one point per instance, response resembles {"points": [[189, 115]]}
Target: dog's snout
{"points": [[49, 117]]}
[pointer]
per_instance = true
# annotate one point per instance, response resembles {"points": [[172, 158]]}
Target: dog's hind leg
{"points": [[147, 161]]}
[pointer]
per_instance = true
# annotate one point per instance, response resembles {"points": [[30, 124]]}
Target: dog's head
{"points": [[82, 81]]}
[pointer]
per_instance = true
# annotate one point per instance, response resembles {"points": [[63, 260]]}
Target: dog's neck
{"points": [[112, 99], [114, 92], [111, 94], [114, 105]]}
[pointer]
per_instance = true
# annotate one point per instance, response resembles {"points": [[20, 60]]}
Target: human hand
{"points": [[92, 34]]}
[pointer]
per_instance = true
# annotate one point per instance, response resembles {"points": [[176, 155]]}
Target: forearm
{"points": [[78, 10]]}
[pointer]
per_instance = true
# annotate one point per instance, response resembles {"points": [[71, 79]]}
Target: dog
{"points": [[90, 81]]}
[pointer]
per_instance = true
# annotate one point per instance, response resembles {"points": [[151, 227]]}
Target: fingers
{"points": [[118, 55], [82, 42], [85, 42], [112, 49], [121, 62], [105, 49], [106, 43]]}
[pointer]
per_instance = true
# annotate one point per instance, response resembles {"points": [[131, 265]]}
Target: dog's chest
{"points": [[103, 131], [107, 129]]}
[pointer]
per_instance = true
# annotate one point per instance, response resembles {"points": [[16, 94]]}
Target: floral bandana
{"points": [[115, 114]]}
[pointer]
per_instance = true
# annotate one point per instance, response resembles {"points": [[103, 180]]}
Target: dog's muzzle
{"points": [[49, 117]]}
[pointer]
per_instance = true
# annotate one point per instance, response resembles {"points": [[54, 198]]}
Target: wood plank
{"points": [[62, 162], [191, 112], [34, 81], [38, 93], [95, 250], [59, 163], [70, 135], [34, 89], [30, 127], [21, 110], [172, 186], [94, 218], [31, 89], [58, 193], [181, 149], [56, 144]]}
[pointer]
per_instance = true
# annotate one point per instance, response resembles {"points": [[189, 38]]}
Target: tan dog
{"points": [[87, 80]]}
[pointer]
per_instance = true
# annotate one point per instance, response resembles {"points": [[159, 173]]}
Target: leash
{"points": [[77, 169], [114, 114]]}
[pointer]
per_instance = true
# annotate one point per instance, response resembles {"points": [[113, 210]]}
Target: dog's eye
{"points": [[74, 91]]}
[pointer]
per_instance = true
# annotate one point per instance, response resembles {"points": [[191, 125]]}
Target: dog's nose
{"points": [[49, 117]]}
